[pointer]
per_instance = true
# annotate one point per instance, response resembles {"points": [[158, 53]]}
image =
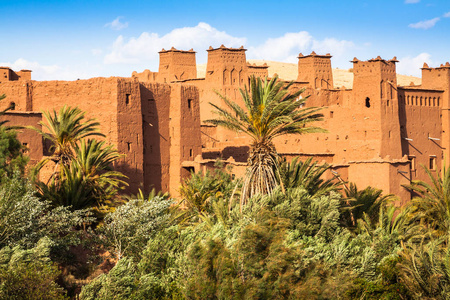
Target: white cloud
{"points": [[146, 47], [45, 72], [96, 51], [427, 24], [411, 1], [284, 48], [116, 24], [287, 47], [447, 15], [411, 65]]}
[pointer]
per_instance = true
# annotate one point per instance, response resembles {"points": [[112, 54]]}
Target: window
{"points": [[12, 106], [190, 153], [127, 99], [331, 114], [432, 165], [367, 102], [129, 146], [25, 148], [189, 103]]}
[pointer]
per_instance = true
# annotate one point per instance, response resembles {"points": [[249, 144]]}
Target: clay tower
{"points": [[315, 69], [176, 65], [376, 100], [227, 66]]}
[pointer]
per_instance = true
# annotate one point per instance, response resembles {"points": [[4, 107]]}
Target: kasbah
{"points": [[379, 133]]}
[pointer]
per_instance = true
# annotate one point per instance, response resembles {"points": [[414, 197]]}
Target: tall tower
{"points": [[375, 100], [227, 66], [439, 78], [176, 65], [315, 69]]}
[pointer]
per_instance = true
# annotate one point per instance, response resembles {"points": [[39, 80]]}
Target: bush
{"points": [[29, 274]]}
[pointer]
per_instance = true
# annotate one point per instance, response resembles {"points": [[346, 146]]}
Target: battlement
{"points": [[315, 69], [227, 66], [436, 78], [6, 74], [258, 71], [176, 65]]}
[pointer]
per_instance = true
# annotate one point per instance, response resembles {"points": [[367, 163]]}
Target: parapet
{"points": [[222, 47], [316, 70], [177, 50], [6, 74]]}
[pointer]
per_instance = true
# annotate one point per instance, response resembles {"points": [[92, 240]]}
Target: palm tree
{"points": [[307, 174], [87, 180], [431, 207], [358, 203], [270, 111], [65, 129]]}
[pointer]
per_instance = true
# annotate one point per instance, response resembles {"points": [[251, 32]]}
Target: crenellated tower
{"points": [[315, 69], [176, 65], [227, 66], [375, 100]]}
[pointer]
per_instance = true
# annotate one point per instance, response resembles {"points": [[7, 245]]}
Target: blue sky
{"points": [[83, 39]]}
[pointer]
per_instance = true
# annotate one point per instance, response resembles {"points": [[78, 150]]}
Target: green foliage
{"points": [[201, 191], [11, 156], [360, 202], [24, 219], [432, 205], [130, 226], [309, 215], [29, 274], [65, 129], [425, 269], [86, 180], [308, 175]]}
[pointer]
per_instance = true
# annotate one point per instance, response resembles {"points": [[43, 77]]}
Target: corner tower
{"points": [[176, 65], [315, 69]]}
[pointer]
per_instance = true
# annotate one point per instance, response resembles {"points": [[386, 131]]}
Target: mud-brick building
{"points": [[379, 133], [156, 126]]}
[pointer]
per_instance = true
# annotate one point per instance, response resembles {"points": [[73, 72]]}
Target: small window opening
{"points": [[367, 102], [387, 103], [127, 99], [331, 115], [189, 103], [25, 148], [129, 146], [190, 153], [432, 163], [12, 106]]}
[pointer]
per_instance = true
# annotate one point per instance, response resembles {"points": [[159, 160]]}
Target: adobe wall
{"points": [[17, 93], [439, 79], [421, 139], [155, 101], [29, 138]]}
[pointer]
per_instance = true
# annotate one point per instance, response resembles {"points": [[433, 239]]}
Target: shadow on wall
{"points": [[240, 154], [152, 142]]}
